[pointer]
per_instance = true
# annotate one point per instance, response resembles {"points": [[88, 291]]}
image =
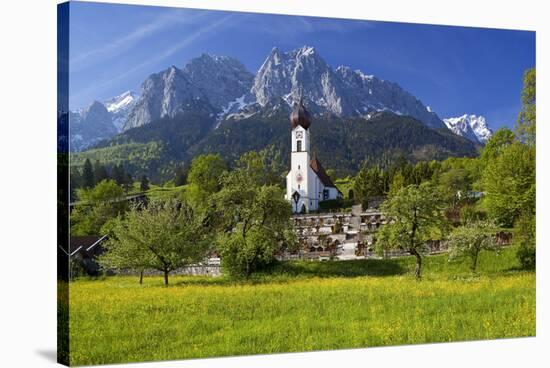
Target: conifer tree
{"points": [[100, 172], [88, 175], [144, 183]]}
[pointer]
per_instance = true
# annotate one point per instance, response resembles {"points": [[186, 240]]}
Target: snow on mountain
{"points": [[342, 91], [472, 127], [218, 80], [120, 106], [121, 102], [233, 92], [222, 87]]}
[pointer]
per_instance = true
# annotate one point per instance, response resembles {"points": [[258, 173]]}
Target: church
{"points": [[307, 183]]}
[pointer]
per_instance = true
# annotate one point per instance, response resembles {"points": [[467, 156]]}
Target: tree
{"points": [[254, 218], [468, 241], [367, 184], [526, 124], [525, 240], [415, 215], [88, 175], [204, 177], [509, 184], [128, 181], [144, 183], [494, 146], [96, 207], [181, 175], [100, 172], [164, 235], [118, 174], [455, 184], [397, 183]]}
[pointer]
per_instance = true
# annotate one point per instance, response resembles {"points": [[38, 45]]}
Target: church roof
{"points": [[321, 173], [300, 116]]}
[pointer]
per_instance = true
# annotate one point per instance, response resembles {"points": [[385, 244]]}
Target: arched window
{"points": [[299, 146]]}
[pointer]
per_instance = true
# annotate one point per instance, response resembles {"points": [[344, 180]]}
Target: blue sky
{"points": [[455, 70]]}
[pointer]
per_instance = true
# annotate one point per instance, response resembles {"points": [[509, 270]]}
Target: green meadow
{"points": [[300, 306]]}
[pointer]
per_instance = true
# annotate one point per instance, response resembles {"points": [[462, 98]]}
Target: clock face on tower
{"points": [[299, 135], [299, 177]]}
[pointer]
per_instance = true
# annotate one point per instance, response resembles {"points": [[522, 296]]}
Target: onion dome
{"points": [[300, 116]]}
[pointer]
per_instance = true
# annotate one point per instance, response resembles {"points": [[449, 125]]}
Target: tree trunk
{"points": [[474, 263], [418, 266], [141, 277], [165, 277]]}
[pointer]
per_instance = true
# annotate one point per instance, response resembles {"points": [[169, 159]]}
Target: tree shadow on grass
{"points": [[294, 270], [351, 268]]}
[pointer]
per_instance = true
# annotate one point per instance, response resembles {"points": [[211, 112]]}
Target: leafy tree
{"points": [[471, 213], [204, 177], [88, 175], [96, 207], [367, 184], [498, 142], [455, 185], [415, 215], [164, 235], [526, 124], [468, 241], [525, 239], [421, 172], [509, 184], [254, 217], [397, 184], [274, 166], [526, 130], [144, 183]]}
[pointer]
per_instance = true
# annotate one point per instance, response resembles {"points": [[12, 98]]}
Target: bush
{"points": [[333, 204], [470, 213], [525, 239], [527, 256]]}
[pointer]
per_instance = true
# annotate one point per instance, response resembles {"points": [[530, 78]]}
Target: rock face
{"points": [[343, 92], [235, 93], [89, 126], [222, 87], [472, 127], [218, 80]]}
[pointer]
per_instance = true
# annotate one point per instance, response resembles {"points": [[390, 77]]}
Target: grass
{"points": [[300, 306], [158, 192]]}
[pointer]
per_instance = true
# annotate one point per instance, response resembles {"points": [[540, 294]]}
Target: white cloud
{"points": [[126, 41], [185, 42]]}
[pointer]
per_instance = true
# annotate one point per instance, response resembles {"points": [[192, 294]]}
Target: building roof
{"points": [[300, 116], [321, 173]]}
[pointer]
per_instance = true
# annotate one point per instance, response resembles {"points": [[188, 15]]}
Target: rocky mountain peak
{"points": [[470, 126]]}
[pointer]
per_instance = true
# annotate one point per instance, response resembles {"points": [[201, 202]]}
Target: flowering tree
{"points": [[470, 239]]}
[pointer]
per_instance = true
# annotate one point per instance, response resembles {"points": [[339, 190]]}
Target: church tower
{"points": [[299, 178]]}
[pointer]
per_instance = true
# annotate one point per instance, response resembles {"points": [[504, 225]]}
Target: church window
{"points": [[298, 186], [325, 194], [299, 146], [298, 167]]}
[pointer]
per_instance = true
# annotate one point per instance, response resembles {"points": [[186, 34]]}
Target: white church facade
{"points": [[307, 183]]}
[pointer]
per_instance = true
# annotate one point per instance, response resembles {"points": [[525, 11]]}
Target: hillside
{"points": [[341, 144]]}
